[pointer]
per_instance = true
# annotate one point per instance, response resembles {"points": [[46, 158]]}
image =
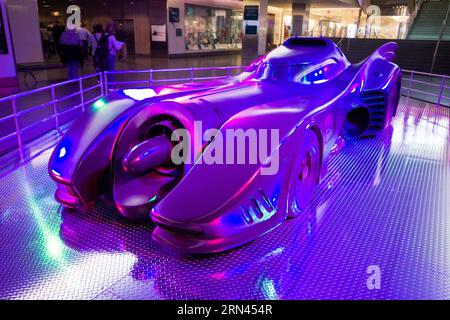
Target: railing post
{"points": [[55, 109], [441, 91], [16, 123], [105, 77], [409, 88], [192, 74], [151, 77], [81, 94], [102, 85], [228, 72]]}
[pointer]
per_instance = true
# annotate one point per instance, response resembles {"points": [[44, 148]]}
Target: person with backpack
{"points": [[94, 39], [108, 47]]}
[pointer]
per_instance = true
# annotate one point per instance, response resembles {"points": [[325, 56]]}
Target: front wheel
{"points": [[305, 174]]}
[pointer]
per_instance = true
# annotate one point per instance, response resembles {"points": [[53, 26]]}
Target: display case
{"points": [[210, 28]]}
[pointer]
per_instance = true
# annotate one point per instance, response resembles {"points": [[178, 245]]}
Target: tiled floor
{"points": [[385, 203]]}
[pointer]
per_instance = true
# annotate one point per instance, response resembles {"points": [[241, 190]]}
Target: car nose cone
{"points": [[148, 155]]}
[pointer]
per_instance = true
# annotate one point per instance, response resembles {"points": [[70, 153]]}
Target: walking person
{"points": [[51, 41], [45, 43], [94, 40], [108, 48], [84, 35], [57, 31], [122, 36], [71, 49]]}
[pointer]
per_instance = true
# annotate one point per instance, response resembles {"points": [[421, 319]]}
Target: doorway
{"points": [[270, 31]]}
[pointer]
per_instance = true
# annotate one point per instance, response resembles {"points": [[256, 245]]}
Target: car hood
{"points": [[253, 105], [228, 101]]}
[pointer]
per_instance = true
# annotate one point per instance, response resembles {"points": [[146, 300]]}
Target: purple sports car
{"points": [[301, 99]]}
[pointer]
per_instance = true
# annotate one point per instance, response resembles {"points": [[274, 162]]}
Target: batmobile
{"points": [[121, 148]]}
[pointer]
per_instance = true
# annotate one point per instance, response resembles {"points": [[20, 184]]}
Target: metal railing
{"points": [[429, 87], [156, 77], [44, 110], [30, 123], [57, 105]]}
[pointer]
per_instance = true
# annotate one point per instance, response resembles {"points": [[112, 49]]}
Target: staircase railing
{"points": [[310, 32], [444, 25]]}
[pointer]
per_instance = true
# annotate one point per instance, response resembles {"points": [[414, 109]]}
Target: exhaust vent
{"points": [[247, 215], [376, 103], [258, 208]]}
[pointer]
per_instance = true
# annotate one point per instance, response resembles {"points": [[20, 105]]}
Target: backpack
{"points": [[102, 51]]}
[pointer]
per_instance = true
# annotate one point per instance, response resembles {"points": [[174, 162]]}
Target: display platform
{"points": [[383, 205]]}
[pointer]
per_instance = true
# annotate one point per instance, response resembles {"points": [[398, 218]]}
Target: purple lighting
{"points": [[304, 94], [349, 225], [139, 94]]}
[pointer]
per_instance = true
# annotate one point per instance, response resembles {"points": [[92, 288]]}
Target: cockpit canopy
{"points": [[301, 60], [300, 73]]}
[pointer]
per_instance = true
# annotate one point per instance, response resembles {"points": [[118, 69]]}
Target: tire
{"points": [[305, 174]]}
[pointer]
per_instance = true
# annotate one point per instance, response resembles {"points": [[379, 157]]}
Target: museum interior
{"points": [[96, 94]]}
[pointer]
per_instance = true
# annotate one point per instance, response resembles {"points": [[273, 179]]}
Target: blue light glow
{"points": [[268, 289], [139, 94], [62, 152]]}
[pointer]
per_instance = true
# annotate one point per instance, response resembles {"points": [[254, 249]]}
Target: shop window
{"points": [[354, 23], [213, 28]]}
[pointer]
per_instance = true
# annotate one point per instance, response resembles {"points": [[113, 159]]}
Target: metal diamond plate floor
{"points": [[384, 203]]}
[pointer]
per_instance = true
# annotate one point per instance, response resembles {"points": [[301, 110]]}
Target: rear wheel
{"points": [[305, 174]]}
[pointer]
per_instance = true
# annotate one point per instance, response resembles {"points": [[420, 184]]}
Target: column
{"points": [[300, 17], [262, 22], [25, 31], [254, 30], [8, 76]]}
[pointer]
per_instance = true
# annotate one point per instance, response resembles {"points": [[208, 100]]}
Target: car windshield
{"points": [[299, 73]]}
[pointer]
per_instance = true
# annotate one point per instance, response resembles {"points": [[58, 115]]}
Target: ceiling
{"points": [[46, 7], [287, 4]]}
